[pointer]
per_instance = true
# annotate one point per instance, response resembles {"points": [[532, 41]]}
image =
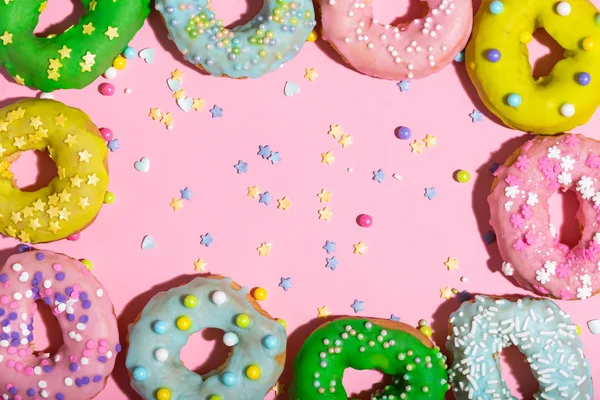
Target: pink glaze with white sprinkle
{"points": [[413, 50], [521, 218], [79, 369]]}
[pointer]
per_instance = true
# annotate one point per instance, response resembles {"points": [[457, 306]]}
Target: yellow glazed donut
{"points": [[73, 198], [498, 63]]}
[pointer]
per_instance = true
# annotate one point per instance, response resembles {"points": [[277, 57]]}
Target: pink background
{"points": [[410, 239]]}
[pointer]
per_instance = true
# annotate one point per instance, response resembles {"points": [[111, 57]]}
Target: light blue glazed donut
{"points": [[258, 343], [539, 328], [262, 45]]}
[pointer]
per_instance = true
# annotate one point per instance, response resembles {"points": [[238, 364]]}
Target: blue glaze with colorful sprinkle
{"points": [[271, 38]]}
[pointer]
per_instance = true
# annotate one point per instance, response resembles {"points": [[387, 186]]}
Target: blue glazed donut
{"points": [[257, 343], [262, 45], [539, 328]]}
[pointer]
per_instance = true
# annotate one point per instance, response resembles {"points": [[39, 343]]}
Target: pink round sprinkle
{"points": [[90, 344], [8, 386], [107, 89], [75, 295], [45, 362], [17, 397], [87, 353], [106, 133], [22, 353], [102, 350], [10, 363], [14, 305], [29, 371], [19, 367], [12, 350], [4, 300], [48, 292], [74, 237], [365, 220], [73, 358], [77, 287], [103, 342], [57, 267]]}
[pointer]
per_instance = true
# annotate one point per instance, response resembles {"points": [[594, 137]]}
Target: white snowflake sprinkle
{"points": [[554, 152], [508, 205], [565, 178], [550, 267], [567, 163], [532, 199], [584, 292], [507, 269], [597, 238], [586, 279], [588, 193], [584, 183], [542, 276], [511, 191]]}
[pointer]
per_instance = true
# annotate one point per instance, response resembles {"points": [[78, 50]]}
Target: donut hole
{"points": [[405, 11], [205, 351], [59, 16], [517, 373], [563, 216], [33, 170], [233, 13], [360, 384], [47, 331], [544, 53]]}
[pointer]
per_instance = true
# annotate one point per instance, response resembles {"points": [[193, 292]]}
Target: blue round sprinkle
{"points": [[60, 396], [40, 256], [584, 79], [30, 392], [229, 379], [494, 55], [403, 133], [130, 52], [460, 57], [160, 327], [598, 18], [496, 7], [270, 342], [514, 100], [140, 374]]}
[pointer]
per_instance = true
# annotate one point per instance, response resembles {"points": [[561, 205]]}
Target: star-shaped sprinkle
{"points": [[264, 249], [416, 146], [323, 312], [336, 131], [179, 94], [278, 388], [84, 156], [19, 142], [284, 203], [324, 196], [88, 29], [76, 181], [186, 194], [35, 122], [325, 214], [476, 116], [378, 176], [206, 240], [200, 265], [92, 179], [241, 167], [430, 140], [275, 157], [265, 198], [83, 202], [65, 52], [358, 305], [216, 111], [53, 74], [155, 114], [329, 247], [70, 140], [167, 119], [446, 293], [60, 120], [360, 248], [7, 38], [198, 104], [113, 145], [286, 284], [177, 75], [430, 193], [451, 264], [112, 33], [345, 140], [327, 158], [332, 263], [404, 86], [311, 74], [177, 204], [264, 151], [395, 318], [254, 192]]}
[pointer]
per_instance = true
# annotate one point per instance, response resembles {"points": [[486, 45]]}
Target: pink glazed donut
{"points": [[412, 50], [79, 369], [519, 214]]}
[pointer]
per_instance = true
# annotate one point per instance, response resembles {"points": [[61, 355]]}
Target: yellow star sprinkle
{"points": [[88, 29], [33, 138], [324, 196], [7, 38], [360, 248], [264, 249], [446, 293], [451, 264], [53, 74], [76, 181], [180, 94], [92, 179], [112, 33], [62, 172], [85, 67], [198, 104], [19, 113], [93, 5], [10, 231], [278, 388], [19, 142], [311, 74], [200, 265], [64, 214], [53, 199], [52, 212], [177, 204], [42, 7], [325, 214], [39, 205], [3, 126], [42, 133], [430, 140], [284, 203], [323, 312], [34, 224], [64, 196], [327, 158], [24, 236], [177, 75], [16, 217], [2, 150], [60, 120], [55, 63], [65, 52], [19, 80], [83, 202], [253, 191], [335, 131], [54, 226], [155, 114], [35, 122], [167, 119], [89, 58], [345, 140], [70, 140], [84, 156], [416, 146]]}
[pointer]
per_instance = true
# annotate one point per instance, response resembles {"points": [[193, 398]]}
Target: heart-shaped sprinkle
{"points": [[291, 88], [143, 165], [174, 85], [147, 55], [594, 326], [148, 243], [185, 103]]}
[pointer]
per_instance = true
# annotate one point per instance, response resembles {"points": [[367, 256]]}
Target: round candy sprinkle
{"points": [[219, 297], [422, 322], [463, 176], [270, 342], [563, 8], [107, 89], [588, 44], [253, 372], [584, 79], [88, 264], [242, 320], [163, 394], [140, 374], [190, 301], [426, 330], [365, 220], [184, 323], [282, 322], [228, 379], [111, 73], [215, 397], [567, 110], [106, 133], [578, 329], [230, 339], [44, 95], [109, 198], [161, 354], [160, 327], [312, 36], [119, 62], [460, 57], [494, 55], [130, 52], [514, 100], [74, 237], [598, 18], [403, 133], [496, 7], [259, 294], [525, 37]]}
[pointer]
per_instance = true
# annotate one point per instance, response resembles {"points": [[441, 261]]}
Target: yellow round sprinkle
{"points": [[119, 62], [242, 320], [282, 322], [259, 294], [184, 323], [253, 372], [525, 37], [88, 264], [588, 44], [163, 394], [425, 330], [312, 37]]}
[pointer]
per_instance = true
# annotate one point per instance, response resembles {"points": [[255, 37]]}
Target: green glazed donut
{"points": [[394, 348], [74, 58]]}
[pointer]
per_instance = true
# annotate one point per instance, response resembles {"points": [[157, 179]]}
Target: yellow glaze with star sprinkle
{"points": [[497, 61], [73, 198]]}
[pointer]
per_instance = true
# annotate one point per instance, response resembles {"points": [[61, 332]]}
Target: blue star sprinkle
{"points": [[489, 237], [265, 198], [394, 318], [430, 193], [404, 86], [216, 111], [286, 284], [476, 116], [358, 305], [241, 167], [460, 57], [329, 247], [186, 194], [206, 240], [332, 263], [113, 145], [275, 157], [494, 167], [378, 176], [264, 151]]}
